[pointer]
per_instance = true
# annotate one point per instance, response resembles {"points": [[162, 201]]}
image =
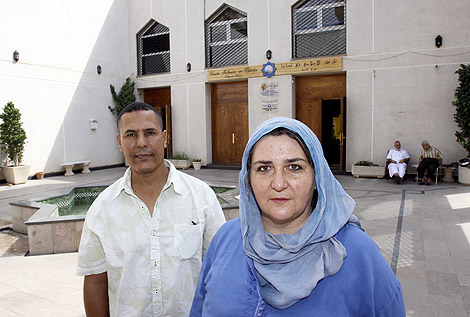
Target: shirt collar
{"points": [[124, 183]]}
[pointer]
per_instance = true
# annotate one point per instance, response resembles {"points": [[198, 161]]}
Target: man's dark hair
{"points": [[139, 106]]}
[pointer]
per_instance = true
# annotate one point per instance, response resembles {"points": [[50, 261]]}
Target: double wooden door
{"points": [[160, 99], [229, 122]]}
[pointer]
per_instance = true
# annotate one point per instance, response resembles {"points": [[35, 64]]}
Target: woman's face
{"points": [[283, 183]]}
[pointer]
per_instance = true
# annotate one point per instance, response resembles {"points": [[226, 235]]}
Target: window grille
{"points": [[226, 38], [153, 49], [318, 28]]}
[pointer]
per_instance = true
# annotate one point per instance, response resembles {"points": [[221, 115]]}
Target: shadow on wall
{"points": [[66, 91], [78, 138]]}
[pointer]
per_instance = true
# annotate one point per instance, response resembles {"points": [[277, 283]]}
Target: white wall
{"points": [[57, 89], [408, 98], [55, 83], [285, 107]]}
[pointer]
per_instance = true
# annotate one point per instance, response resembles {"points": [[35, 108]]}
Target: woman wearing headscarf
{"points": [[297, 249]]}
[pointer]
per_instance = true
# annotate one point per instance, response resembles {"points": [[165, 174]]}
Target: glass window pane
{"points": [[312, 3], [306, 20], [218, 33], [155, 44], [156, 64], [333, 16], [228, 54], [320, 44], [238, 30], [156, 28]]}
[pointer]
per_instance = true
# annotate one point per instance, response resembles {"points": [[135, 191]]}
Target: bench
{"points": [[69, 167]]}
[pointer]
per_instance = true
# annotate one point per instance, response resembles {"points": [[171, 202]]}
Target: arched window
{"points": [[318, 28], [226, 37], [153, 49]]}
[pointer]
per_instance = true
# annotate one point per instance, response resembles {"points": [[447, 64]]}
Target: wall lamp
{"points": [[16, 56], [269, 54], [188, 67], [98, 69], [438, 41]]}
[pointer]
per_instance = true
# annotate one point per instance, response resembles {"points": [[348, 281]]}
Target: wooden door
{"points": [[229, 122], [309, 111], [311, 92], [160, 99]]}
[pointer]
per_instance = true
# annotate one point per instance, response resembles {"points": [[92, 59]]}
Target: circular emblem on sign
{"points": [[269, 69]]}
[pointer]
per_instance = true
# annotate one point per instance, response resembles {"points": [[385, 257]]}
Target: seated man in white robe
{"points": [[398, 160]]}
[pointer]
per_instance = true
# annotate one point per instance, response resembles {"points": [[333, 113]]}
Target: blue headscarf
{"points": [[289, 266]]}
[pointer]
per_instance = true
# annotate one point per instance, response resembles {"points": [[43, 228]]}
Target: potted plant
{"points": [[367, 169], [13, 138], [462, 117], [197, 164], [180, 160]]}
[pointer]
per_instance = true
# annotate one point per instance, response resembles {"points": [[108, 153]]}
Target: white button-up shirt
{"points": [[397, 155], [152, 262]]}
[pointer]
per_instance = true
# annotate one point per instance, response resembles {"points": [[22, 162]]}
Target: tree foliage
{"points": [[124, 97], [12, 134], [462, 107]]}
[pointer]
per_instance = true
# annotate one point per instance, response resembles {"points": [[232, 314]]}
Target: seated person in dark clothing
{"points": [[429, 160]]}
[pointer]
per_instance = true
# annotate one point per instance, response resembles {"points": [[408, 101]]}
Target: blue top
{"points": [[364, 286]]}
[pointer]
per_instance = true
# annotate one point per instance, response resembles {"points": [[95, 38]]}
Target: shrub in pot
{"points": [[180, 160], [462, 117], [367, 169], [13, 138]]}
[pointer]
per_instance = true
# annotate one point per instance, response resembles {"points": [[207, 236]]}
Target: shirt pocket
{"points": [[188, 240]]}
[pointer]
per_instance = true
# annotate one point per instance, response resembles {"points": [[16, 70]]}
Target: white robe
{"points": [[398, 168]]}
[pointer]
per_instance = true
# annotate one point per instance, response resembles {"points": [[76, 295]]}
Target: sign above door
{"points": [[319, 65]]}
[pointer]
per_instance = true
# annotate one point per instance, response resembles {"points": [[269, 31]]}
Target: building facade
{"points": [[361, 74]]}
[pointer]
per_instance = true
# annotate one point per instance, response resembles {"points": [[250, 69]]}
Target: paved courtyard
{"points": [[423, 232]]}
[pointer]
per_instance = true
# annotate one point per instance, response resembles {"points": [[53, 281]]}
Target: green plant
{"points": [[178, 156], [462, 107], [365, 163], [196, 160], [12, 134], [126, 96]]}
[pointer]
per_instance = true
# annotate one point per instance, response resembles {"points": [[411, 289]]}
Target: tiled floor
{"points": [[12, 243], [423, 232]]}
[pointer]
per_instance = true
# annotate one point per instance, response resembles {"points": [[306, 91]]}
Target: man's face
{"points": [[425, 146], [397, 145], [142, 141]]}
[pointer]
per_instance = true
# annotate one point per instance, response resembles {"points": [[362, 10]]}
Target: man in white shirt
{"points": [[398, 160], [144, 237]]}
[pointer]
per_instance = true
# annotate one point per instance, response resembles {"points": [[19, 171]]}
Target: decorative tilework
{"points": [[80, 199], [77, 201]]}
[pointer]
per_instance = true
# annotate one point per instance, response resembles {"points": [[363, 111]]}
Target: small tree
{"points": [[462, 107], [13, 136], [126, 96]]}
